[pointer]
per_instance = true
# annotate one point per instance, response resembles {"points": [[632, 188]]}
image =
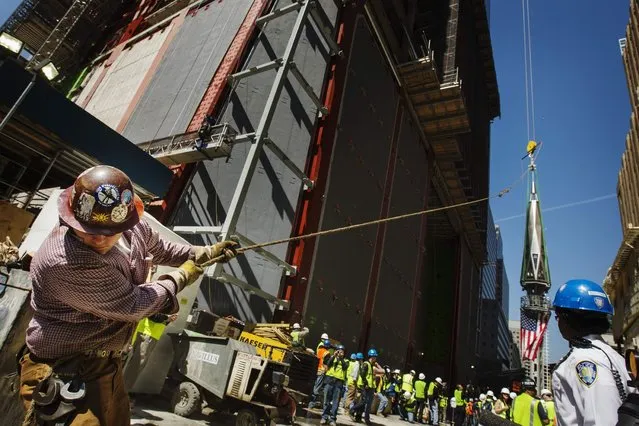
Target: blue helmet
{"points": [[583, 295], [359, 356], [372, 353], [327, 343], [353, 357]]}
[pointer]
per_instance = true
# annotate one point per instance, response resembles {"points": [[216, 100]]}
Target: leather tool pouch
{"points": [[57, 396]]}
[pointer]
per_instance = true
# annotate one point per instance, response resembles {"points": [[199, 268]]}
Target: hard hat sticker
{"points": [[107, 194], [84, 207], [587, 372], [100, 217], [118, 214], [599, 302], [126, 197]]}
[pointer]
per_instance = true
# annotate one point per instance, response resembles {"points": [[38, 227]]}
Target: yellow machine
{"points": [[271, 349]]}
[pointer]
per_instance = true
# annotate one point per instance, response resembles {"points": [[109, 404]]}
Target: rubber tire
{"points": [[186, 400], [246, 417]]}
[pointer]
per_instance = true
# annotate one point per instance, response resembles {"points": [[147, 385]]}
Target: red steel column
{"points": [[378, 249], [310, 209]]}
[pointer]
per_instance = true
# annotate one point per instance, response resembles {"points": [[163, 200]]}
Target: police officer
{"points": [[590, 381], [529, 411]]}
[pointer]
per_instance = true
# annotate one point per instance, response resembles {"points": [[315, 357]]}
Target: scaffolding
{"points": [[212, 142]]}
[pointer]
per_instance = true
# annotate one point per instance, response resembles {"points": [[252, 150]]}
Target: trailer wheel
{"points": [[186, 399], [246, 418]]}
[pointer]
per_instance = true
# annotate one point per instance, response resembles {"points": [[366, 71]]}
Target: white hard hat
{"points": [[324, 336], [545, 392], [505, 390], [490, 394], [422, 376], [407, 395], [513, 395], [396, 371], [482, 396], [439, 380], [296, 326], [412, 372]]}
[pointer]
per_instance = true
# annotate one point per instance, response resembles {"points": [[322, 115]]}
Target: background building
{"points": [[515, 355], [622, 281], [495, 339]]}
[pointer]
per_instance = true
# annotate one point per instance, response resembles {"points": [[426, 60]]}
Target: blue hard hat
{"points": [[353, 357], [327, 343], [360, 356], [372, 353], [583, 295]]}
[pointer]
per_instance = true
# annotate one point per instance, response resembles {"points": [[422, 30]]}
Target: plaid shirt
{"points": [[84, 301]]}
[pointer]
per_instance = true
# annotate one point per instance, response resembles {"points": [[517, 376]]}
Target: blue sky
{"points": [[582, 117]]}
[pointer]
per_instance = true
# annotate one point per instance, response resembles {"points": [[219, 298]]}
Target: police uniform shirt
{"points": [[586, 393]]}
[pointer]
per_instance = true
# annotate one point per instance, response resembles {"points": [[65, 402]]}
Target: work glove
{"points": [[227, 249], [185, 275]]}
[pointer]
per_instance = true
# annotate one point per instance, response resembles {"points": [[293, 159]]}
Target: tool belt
{"points": [[56, 398]]}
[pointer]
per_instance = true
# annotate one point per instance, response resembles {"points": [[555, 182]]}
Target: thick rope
{"points": [[241, 250]]}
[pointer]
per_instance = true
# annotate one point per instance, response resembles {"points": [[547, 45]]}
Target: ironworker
{"points": [[297, 336], [381, 385], [336, 375], [408, 403], [513, 395], [407, 381], [434, 389], [420, 396], [591, 381], [351, 379], [443, 404], [318, 388], [502, 406], [89, 291], [323, 338], [488, 403], [527, 410], [366, 384], [458, 414], [549, 405]]}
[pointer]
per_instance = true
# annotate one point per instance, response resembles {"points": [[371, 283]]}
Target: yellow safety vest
{"points": [[458, 397], [420, 389], [369, 375], [550, 408], [410, 404], [336, 370], [525, 411], [349, 372], [431, 389], [407, 383], [295, 338]]}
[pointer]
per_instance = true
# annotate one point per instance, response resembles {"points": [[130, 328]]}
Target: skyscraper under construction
{"points": [[282, 118]]}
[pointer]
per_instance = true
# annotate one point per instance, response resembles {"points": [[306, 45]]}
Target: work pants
{"points": [[106, 402], [318, 390], [363, 407], [383, 403], [351, 393], [419, 408], [433, 409], [332, 393], [410, 416]]}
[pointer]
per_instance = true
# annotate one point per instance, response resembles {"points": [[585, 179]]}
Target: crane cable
{"points": [[528, 70], [241, 250]]}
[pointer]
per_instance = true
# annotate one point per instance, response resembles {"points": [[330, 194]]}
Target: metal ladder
{"points": [[216, 141]]}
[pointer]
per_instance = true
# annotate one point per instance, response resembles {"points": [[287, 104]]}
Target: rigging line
{"points": [[530, 71], [523, 21], [500, 194], [563, 206]]}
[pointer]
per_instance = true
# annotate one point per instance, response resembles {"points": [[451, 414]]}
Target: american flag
{"points": [[533, 327]]}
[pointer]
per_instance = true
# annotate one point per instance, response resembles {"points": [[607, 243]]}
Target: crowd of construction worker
{"points": [[358, 385]]}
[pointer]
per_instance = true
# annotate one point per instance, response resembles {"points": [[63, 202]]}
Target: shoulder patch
{"points": [[586, 372]]}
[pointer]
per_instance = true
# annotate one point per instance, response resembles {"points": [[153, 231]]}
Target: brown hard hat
{"points": [[101, 201]]}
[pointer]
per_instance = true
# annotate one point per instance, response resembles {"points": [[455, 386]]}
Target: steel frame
{"points": [[307, 9]]}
